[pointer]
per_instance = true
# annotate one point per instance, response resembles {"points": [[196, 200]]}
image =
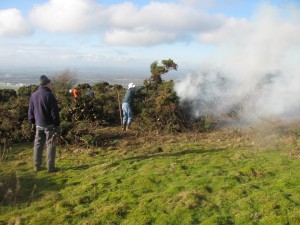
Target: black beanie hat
{"points": [[44, 80]]}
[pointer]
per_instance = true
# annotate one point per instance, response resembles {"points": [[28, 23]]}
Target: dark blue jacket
{"points": [[43, 109], [129, 95]]}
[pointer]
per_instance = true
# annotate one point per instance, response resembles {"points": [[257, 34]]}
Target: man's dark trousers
{"points": [[45, 135]]}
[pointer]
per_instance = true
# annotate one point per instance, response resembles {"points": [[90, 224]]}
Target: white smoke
{"points": [[258, 70]]}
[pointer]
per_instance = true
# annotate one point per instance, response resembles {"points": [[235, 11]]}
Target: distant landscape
{"points": [[15, 78]]}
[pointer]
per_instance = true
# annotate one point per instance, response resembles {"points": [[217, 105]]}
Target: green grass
{"points": [[215, 178]]}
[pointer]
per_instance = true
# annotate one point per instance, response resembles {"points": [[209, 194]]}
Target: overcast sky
{"points": [[132, 34]]}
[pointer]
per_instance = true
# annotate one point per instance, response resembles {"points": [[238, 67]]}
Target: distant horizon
{"points": [[24, 76]]}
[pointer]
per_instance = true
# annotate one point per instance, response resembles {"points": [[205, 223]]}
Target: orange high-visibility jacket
{"points": [[75, 93]]}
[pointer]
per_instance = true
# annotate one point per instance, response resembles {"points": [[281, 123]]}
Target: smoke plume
{"points": [[256, 70]]}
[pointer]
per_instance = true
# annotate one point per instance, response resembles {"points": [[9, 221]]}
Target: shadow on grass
{"points": [[289, 198], [26, 188], [81, 167], [184, 152]]}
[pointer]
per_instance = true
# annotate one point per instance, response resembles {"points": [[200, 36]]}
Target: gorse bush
{"points": [[6, 94], [159, 109], [26, 91], [156, 107]]}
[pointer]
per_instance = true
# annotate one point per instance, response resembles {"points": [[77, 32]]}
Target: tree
{"points": [[158, 70], [64, 81]]}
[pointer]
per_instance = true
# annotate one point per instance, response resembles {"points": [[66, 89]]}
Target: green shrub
{"points": [[6, 94], [27, 90], [155, 108]]}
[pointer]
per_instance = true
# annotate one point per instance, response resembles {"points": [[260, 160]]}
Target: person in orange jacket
{"points": [[74, 92]]}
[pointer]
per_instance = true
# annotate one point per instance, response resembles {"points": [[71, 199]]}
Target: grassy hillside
{"points": [[224, 177]]}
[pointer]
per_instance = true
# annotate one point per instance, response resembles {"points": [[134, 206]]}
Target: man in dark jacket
{"points": [[43, 113], [127, 103]]}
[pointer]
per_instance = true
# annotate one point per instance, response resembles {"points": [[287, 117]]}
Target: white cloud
{"points": [[203, 3], [12, 23], [164, 16], [138, 36], [67, 15], [156, 23], [125, 23]]}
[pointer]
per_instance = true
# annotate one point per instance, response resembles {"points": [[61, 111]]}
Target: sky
{"points": [[239, 50], [120, 34]]}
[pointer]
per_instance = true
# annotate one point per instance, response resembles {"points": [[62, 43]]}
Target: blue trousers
{"points": [[127, 114], [44, 136]]}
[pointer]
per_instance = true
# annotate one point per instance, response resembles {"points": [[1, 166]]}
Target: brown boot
{"points": [[128, 127]]}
